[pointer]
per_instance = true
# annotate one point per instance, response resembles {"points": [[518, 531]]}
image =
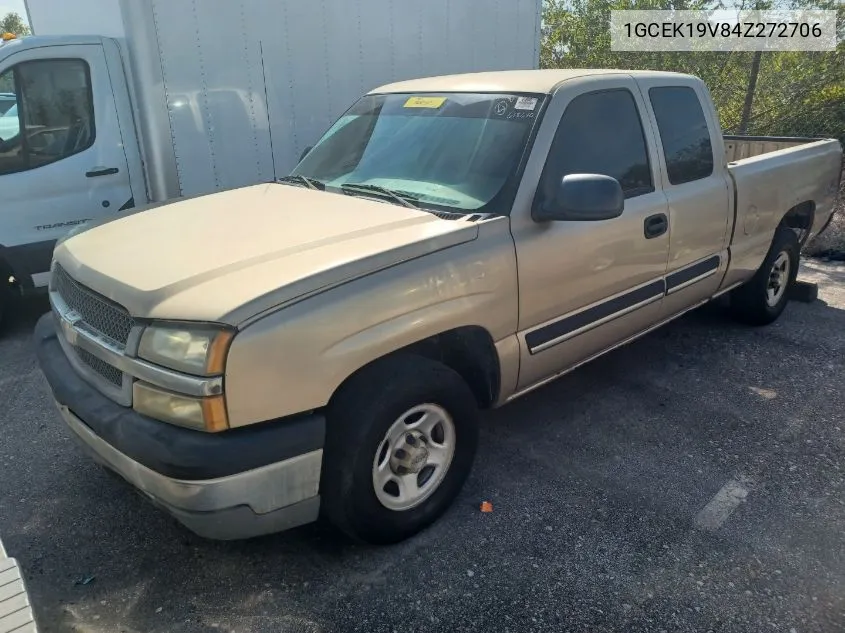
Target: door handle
{"points": [[655, 225], [101, 171]]}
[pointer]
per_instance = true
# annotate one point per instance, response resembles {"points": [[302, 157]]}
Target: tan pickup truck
{"points": [[323, 344]]}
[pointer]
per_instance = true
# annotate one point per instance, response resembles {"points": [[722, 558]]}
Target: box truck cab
{"points": [[179, 98], [66, 156]]}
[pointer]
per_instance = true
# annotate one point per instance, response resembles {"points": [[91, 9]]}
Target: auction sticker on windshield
{"points": [[525, 103], [425, 102]]}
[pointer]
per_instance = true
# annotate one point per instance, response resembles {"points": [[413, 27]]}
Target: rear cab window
{"points": [[684, 133]]}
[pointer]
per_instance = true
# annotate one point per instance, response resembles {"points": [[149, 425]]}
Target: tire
{"points": [[8, 297], [388, 397], [758, 302], [5, 303]]}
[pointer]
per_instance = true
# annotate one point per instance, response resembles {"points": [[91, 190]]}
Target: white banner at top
{"points": [[723, 30]]}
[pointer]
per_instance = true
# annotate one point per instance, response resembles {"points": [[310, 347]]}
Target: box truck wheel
{"points": [[762, 299], [400, 441], [6, 296]]}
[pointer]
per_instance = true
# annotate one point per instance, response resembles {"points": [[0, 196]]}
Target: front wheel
{"points": [[762, 299], [5, 301], [400, 441]]}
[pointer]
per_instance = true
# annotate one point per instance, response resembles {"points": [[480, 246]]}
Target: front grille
{"points": [[99, 315], [101, 367]]}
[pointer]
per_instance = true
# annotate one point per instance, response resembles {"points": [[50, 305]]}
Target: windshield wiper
{"points": [[402, 198], [311, 183]]}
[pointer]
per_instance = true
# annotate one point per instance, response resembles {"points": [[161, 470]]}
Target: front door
{"points": [[585, 286], [61, 157]]}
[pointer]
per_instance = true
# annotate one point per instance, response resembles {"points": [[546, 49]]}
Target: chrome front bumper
{"points": [[231, 485], [264, 500]]}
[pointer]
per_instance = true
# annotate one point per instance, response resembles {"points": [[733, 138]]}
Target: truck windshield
{"points": [[456, 151]]}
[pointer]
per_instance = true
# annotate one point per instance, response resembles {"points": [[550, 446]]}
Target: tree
{"points": [[773, 93], [13, 23]]}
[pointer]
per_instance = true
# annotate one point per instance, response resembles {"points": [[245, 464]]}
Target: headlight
{"points": [[198, 350], [202, 414]]}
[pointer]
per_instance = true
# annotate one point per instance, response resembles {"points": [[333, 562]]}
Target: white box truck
{"points": [[143, 101]]}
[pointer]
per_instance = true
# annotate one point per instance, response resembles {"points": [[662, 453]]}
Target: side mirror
{"points": [[583, 197], [305, 152]]}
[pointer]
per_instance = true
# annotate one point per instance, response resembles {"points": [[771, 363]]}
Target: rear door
{"points": [[586, 286], [697, 188], [62, 160]]}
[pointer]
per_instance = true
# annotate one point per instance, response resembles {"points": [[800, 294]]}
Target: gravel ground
{"points": [[692, 481]]}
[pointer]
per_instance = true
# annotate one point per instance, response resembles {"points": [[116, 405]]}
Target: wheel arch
{"points": [[468, 350], [800, 218], [7, 271], [10, 266]]}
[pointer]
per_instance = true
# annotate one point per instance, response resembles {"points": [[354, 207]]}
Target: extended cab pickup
{"points": [[251, 358]]}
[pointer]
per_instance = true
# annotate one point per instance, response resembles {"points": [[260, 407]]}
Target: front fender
{"points": [[293, 360]]}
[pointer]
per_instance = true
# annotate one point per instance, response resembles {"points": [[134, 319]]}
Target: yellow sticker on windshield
{"points": [[425, 102]]}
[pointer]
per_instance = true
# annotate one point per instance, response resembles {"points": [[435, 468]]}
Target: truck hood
{"points": [[228, 256]]}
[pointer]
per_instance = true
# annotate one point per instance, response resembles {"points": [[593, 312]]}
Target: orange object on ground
{"points": [[486, 506]]}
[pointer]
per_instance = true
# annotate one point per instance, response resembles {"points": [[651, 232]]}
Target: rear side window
{"points": [[600, 133], [683, 133]]}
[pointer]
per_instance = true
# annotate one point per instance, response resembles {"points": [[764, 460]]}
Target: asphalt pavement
{"points": [[690, 481]]}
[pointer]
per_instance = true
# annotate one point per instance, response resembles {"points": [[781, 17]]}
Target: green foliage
{"points": [[797, 93], [13, 23]]}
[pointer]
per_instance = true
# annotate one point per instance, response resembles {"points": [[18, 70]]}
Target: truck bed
{"points": [[739, 147], [771, 175]]}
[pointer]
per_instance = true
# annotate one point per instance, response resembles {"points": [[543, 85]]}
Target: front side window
{"points": [[52, 114], [11, 150], [455, 151], [599, 133], [683, 133]]}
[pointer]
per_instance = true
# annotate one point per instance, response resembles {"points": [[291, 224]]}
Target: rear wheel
{"points": [[763, 298], [401, 439]]}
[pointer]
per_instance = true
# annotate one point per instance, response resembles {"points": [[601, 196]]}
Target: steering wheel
{"points": [[83, 134], [7, 145]]}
